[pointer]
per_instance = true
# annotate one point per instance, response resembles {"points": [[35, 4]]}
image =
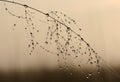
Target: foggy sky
{"points": [[99, 20]]}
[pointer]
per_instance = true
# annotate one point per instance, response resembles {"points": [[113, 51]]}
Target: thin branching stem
{"points": [[27, 6]]}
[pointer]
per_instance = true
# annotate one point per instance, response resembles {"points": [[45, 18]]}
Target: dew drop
{"points": [[90, 74], [37, 30], [14, 25], [98, 72], [6, 8], [87, 77], [71, 73], [57, 54], [29, 45]]}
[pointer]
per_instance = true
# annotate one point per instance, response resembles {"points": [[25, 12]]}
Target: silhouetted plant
{"points": [[56, 29]]}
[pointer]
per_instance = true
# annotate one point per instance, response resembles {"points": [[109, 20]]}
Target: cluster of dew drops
{"points": [[68, 44]]}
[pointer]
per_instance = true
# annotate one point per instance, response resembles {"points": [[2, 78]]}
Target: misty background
{"points": [[99, 21]]}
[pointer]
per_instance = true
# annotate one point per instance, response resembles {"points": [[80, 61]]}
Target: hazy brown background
{"points": [[99, 20]]}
